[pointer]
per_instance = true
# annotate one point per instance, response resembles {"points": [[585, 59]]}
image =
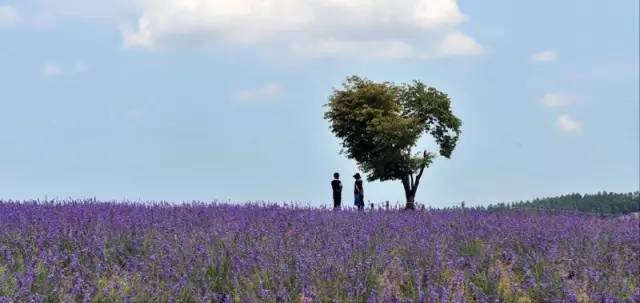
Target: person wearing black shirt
{"points": [[358, 192], [336, 186]]}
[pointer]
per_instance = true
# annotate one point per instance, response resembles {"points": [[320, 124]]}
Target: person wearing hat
{"points": [[336, 186], [358, 192]]}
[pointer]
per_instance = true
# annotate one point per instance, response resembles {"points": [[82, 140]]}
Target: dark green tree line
{"points": [[602, 202]]}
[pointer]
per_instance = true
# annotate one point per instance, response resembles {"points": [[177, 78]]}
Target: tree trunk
{"points": [[411, 187], [411, 197]]}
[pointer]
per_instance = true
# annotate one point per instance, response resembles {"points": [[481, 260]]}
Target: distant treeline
{"points": [[602, 202]]}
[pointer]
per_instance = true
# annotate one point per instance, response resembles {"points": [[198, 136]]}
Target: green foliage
{"points": [[219, 276], [42, 285], [602, 202], [472, 248], [8, 284], [380, 123]]}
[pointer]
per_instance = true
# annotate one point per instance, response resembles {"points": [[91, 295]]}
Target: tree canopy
{"points": [[602, 202], [379, 125]]}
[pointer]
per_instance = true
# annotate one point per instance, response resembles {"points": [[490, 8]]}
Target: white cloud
{"points": [[544, 56], [384, 29], [9, 15], [567, 125], [557, 100], [457, 43], [268, 91], [52, 69]]}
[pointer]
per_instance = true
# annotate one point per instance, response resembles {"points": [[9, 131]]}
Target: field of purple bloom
{"points": [[113, 252]]}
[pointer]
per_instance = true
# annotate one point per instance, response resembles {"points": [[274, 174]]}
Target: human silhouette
{"points": [[336, 186], [358, 192]]}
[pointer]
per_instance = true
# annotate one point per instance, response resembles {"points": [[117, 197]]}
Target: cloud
{"points": [[567, 125], [557, 100], [457, 43], [544, 56], [52, 69], [268, 91], [9, 15], [380, 29]]}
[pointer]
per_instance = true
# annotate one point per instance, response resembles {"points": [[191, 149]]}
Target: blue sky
{"points": [[183, 100]]}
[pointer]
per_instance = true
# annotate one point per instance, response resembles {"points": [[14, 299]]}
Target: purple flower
{"points": [[85, 251]]}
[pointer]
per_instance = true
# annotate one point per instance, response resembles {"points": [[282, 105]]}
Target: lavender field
{"points": [[79, 251]]}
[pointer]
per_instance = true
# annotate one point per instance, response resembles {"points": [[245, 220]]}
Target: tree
{"points": [[380, 123], [601, 202]]}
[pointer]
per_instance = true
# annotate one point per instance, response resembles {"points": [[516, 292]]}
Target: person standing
{"points": [[358, 192], [336, 186]]}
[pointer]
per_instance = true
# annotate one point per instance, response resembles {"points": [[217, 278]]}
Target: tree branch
{"points": [[411, 185], [417, 180]]}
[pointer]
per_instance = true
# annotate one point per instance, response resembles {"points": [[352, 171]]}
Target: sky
{"points": [[150, 100]]}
